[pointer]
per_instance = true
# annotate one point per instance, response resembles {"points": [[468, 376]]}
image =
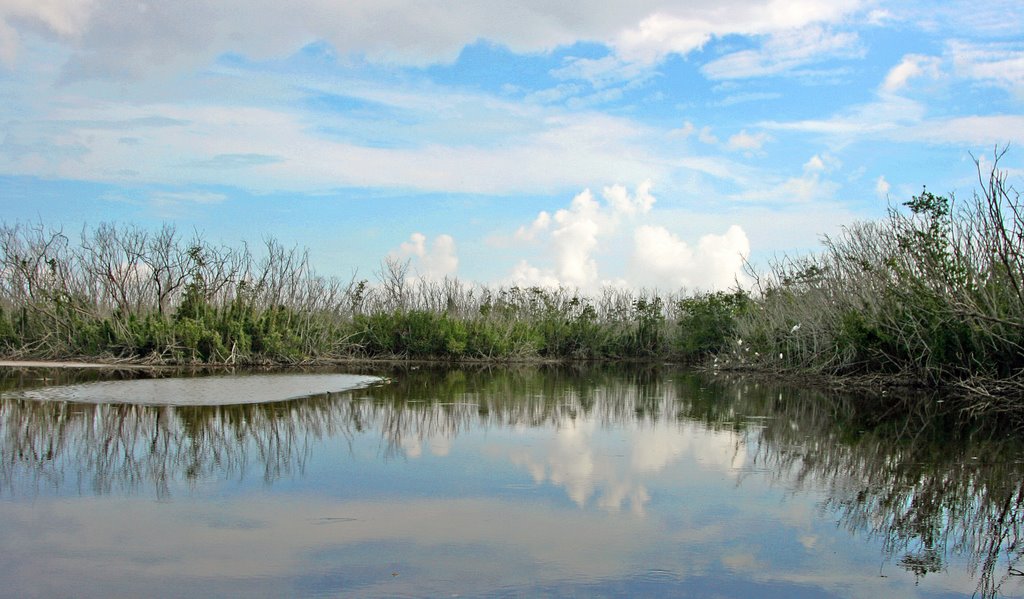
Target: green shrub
{"points": [[706, 322]]}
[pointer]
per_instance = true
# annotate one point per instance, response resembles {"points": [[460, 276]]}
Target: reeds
{"points": [[932, 294], [121, 292]]}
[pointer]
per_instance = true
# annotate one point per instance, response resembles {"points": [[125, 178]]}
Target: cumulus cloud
{"points": [[538, 226], [622, 203], [579, 238], [435, 262], [573, 235], [660, 259]]}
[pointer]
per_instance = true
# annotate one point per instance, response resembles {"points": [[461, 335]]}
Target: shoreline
{"points": [[73, 364]]}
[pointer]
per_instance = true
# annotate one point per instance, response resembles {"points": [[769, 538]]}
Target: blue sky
{"points": [[644, 144]]}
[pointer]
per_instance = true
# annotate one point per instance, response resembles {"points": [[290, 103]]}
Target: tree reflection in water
{"points": [[928, 483]]}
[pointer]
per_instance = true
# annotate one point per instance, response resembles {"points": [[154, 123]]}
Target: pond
{"points": [[496, 482]]}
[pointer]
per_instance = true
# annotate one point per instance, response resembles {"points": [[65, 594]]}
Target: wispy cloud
{"points": [[912, 66], [784, 51], [1000, 64], [742, 98], [232, 161], [975, 131], [887, 114]]}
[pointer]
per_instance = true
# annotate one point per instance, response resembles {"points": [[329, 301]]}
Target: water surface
{"points": [[500, 482]]}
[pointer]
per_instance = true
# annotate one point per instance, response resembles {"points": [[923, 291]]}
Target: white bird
{"points": [[795, 328]]}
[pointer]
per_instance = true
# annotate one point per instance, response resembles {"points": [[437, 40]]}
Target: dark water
{"points": [[499, 482]]}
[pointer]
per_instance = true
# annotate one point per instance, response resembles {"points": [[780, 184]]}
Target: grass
{"points": [[932, 295], [127, 294]]}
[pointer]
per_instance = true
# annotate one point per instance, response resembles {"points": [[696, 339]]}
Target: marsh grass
{"points": [[932, 295], [124, 293]]}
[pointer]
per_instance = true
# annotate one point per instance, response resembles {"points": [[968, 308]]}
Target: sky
{"points": [[648, 144]]}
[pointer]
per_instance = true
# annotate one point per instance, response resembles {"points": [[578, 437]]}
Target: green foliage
{"points": [[933, 294], [864, 344], [8, 333], [707, 322]]}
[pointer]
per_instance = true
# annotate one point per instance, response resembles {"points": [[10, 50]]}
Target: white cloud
{"points": [[793, 190], [912, 66], [748, 142], [197, 197], [574, 240], [63, 19], [706, 136], [8, 45], [784, 51], [889, 114], [741, 98], [685, 131], [275, 150], [580, 239], [114, 40], [622, 203], [882, 187], [999, 64], [973, 130], [438, 261], [168, 204], [821, 163], [662, 260], [815, 164], [688, 27], [527, 275], [878, 16], [603, 72], [574, 233], [539, 225]]}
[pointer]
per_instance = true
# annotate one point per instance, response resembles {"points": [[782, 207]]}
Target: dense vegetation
{"points": [[126, 293], [934, 295]]}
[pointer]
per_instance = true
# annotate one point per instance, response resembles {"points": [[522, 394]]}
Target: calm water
{"points": [[496, 482]]}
